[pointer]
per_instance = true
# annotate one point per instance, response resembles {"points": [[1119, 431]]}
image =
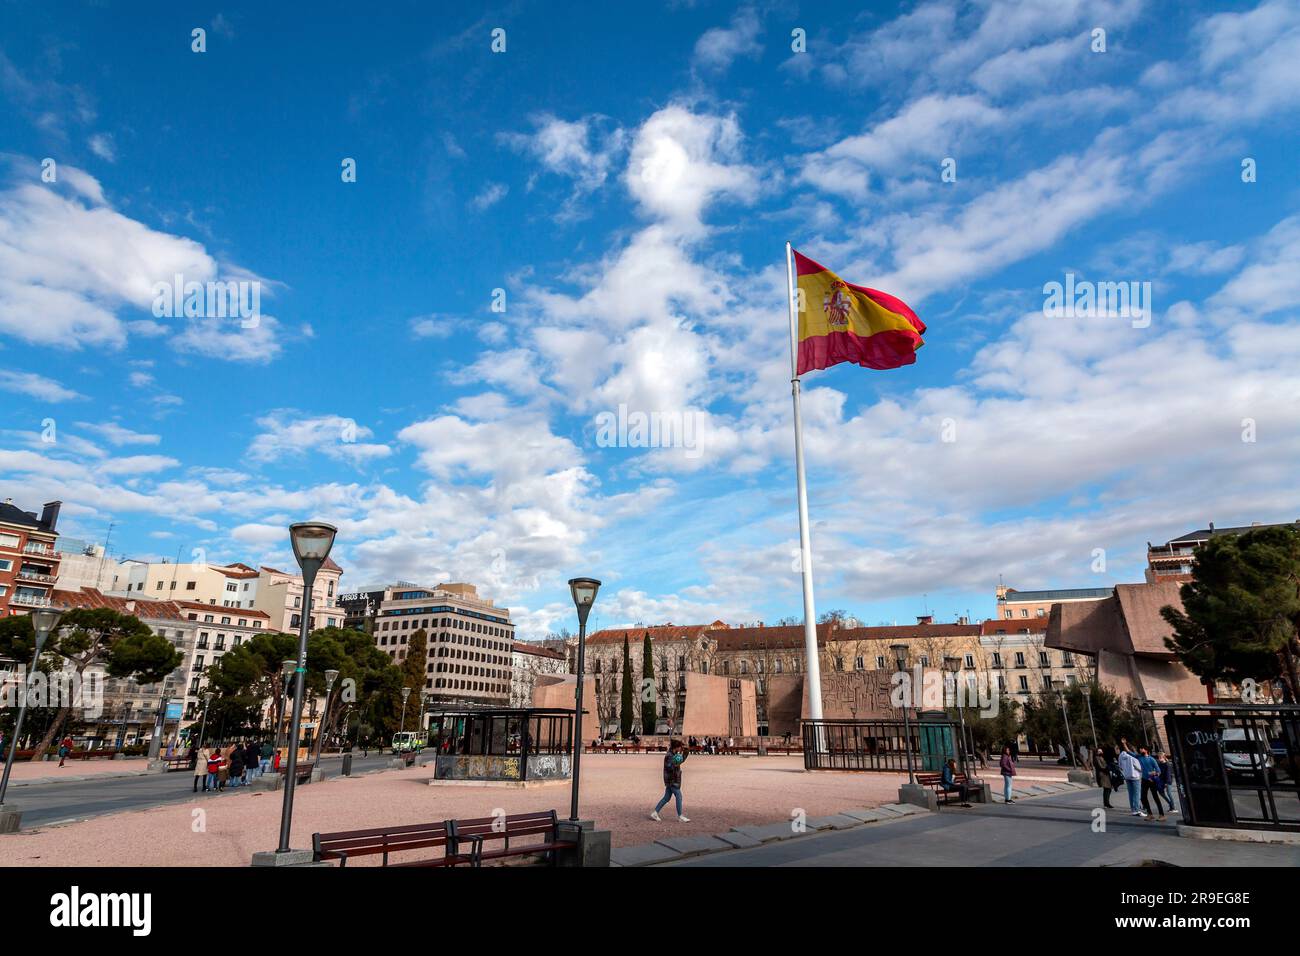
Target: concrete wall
{"points": [[708, 706]]}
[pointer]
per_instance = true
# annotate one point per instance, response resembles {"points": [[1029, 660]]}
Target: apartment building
{"points": [[1172, 561], [1016, 605], [85, 565], [1016, 654], [470, 641], [279, 595], [29, 563], [216, 631], [529, 661]]}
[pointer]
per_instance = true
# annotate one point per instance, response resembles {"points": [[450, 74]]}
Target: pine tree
{"points": [[627, 712], [649, 699]]}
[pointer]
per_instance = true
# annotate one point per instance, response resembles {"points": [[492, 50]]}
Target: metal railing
{"points": [[880, 745], [1236, 765]]}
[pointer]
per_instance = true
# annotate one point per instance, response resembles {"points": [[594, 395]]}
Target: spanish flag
{"points": [[839, 322]]}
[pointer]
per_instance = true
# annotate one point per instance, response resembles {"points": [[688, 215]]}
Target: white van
{"points": [[1246, 753], [407, 741]]}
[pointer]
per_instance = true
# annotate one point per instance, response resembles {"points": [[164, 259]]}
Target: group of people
{"points": [[711, 745], [235, 764], [1143, 775]]}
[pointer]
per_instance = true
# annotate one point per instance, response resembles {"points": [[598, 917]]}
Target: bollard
{"points": [[347, 765]]}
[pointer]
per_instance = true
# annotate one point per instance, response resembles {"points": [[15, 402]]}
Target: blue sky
{"points": [[628, 177]]}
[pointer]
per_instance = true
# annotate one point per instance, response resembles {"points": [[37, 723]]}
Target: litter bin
{"points": [[347, 765]]}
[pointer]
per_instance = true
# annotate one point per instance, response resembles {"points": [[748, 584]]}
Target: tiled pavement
{"points": [[1049, 824]]}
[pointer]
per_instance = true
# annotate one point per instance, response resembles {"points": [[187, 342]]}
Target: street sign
{"points": [[174, 710]]}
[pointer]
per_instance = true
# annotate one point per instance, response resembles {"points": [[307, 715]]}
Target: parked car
{"points": [[1247, 754], [407, 741]]}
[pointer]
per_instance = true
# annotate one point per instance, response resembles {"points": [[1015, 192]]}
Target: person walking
{"points": [[1130, 768], [212, 759], [1008, 767], [1166, 779], [199, 765], [673, 761], [1150, 783], [65, 748], [1102, 771]]}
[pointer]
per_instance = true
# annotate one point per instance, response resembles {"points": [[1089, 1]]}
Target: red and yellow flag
{"points": [[839, 322]]}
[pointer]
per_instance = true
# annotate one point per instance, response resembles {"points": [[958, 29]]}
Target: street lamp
{"points": [[584, 596], [330, 677], [286, 671], [311, 541], [1058, 685], [203, 724], [952, 665], [43, 622], [406, 692], [900, 657]]}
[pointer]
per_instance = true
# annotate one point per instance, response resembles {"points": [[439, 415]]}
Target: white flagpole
{"points": [[813, 678]]}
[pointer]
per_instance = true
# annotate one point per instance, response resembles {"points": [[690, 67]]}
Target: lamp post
{"points": [[1091, 723], [953, 666], [1059, 686], [584, 596], [203, 724], [406, 692], [330, 677], [311, 541], [900, 657], [43, 622], [286, 671]]}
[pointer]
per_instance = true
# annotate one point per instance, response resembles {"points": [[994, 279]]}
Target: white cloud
{"points": [[717, 48], [489, 196], [101, 144], [682, 162], [117, 434], [285, 433], [37, 386]]}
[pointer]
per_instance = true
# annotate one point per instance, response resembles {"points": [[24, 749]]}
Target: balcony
{"points": [[29, 574], [29, 600], [36, 547]]}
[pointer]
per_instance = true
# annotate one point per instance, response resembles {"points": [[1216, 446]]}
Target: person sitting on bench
{"points": [[950, 784]]}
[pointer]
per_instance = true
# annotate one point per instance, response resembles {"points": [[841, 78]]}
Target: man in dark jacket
{"points": [[673, 761], [252, 759], [236, 766]]}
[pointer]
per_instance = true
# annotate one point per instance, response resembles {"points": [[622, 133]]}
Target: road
{"points": [[43, 804], [1054, 830]]}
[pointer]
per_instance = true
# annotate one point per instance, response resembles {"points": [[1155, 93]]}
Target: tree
{"points": [[123, 644], [414, 670], [361, 665], [245, 678], [649, 695], [627, 707], [1241, 610]]}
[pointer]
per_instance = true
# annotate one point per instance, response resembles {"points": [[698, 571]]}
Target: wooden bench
{"points": [[179, 763], [347, 844], [303, 772], [935, 782], [476, 833]]}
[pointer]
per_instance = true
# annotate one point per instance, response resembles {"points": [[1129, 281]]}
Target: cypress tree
{"points": [[649, 698], [627, 713]]}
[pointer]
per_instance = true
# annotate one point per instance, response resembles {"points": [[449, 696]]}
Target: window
{"points": [[1020, 659], [1024, 682], [997, 659], [880, 662], [231, 586], [1043, 659], [159, 587], [858, 664], [1040, 612], [777, 666], [1047, 682], [970, 660], [191, 585], [1007, 615], [6, 564], [8, 540], [1024, 612]]}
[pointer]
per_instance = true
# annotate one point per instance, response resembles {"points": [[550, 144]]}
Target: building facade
{"points": [[1016, 605], [470, 641], [85, 565], [528, 662], [29, 562], [1172, 561]]}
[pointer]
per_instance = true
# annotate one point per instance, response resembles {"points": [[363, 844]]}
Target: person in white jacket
{"points": [[1130, 767]]}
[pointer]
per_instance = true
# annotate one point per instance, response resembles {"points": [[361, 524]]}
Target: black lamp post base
{"points": [[287, 858], [11, 818]]}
